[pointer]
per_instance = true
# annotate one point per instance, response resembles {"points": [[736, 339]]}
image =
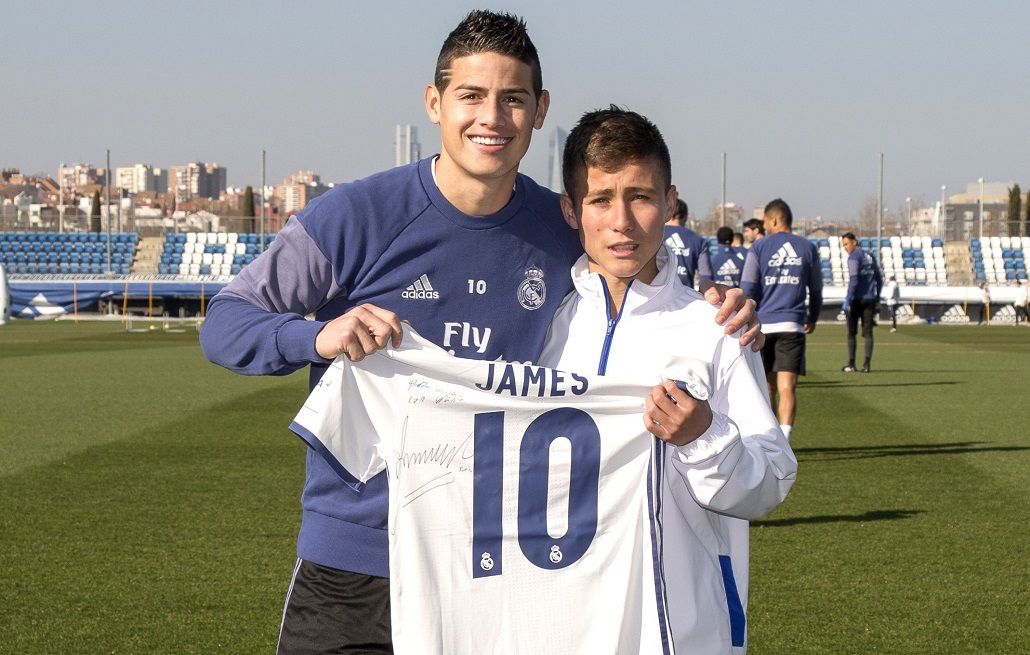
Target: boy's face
{"points": [[487, 114], [621, 219]]}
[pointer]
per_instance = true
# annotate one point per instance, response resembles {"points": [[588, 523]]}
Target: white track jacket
{"points": [[739, 469]]}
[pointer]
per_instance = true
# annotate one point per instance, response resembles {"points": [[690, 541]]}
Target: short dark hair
{"points": [[779, 208], [850, 236], [755, 224], [488, 31], [724, 235], [681, 211], [609, 139]]}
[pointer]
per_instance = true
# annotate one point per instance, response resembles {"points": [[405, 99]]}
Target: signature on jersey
{"points": [[429, 467]]}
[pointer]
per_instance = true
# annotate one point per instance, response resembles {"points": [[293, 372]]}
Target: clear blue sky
{"points": [[802, 96]]}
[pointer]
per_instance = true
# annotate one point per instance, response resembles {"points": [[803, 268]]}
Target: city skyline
{"points": [[802, 97]]}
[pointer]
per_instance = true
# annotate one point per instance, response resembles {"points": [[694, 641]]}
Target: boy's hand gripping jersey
{"points": [[524, 516]]}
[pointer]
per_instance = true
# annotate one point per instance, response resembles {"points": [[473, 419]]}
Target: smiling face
{"points": [[487, 114], [621, 220]]}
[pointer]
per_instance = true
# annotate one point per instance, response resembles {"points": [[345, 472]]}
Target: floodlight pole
{"points": [[107, 175], [60, 205], [879, 215], [722, 211], [981, 181], [263, 203]]}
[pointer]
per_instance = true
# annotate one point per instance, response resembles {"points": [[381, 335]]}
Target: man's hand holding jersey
{"points": [[360, 332]]}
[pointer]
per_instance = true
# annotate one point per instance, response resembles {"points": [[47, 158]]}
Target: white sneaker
{"points": [[893, 330]]}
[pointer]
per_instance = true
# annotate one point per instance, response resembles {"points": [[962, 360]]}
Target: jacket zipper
{"points": [[612, 322]]}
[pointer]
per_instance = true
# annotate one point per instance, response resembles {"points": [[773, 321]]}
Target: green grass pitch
{"points": [[149, 500]]}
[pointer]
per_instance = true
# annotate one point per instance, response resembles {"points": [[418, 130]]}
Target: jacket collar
{"points": [[640, 297]]}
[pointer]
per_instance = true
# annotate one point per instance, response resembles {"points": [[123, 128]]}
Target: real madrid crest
{"points": [[532, 291]]}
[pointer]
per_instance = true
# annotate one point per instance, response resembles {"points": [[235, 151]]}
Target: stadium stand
{"points": [[918, 261], [69, 253], [210, 253], [913, 260], [1000, 260], [190, 254]]}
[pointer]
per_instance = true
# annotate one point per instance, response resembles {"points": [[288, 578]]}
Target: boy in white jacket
{"points": [[631, 316]]}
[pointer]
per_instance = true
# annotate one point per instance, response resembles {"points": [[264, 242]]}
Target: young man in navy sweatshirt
{"points": [[473, 254], [780, 272], [689, 248]]}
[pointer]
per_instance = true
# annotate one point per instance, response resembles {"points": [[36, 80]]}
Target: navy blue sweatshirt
{"points": [[779, 271]]}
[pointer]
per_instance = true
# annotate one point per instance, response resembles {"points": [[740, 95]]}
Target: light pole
{"points": [[60, 204], [263, 203], [981, 181], [941, 223], [107, 185], [879, 214], [908, 212], [722, 212]]}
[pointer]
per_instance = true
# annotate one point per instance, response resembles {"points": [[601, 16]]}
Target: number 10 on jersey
{"points": [[539, 547]]}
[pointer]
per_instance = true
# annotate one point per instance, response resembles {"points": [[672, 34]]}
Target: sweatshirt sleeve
{"points": [[256, 325], [704, 261], [749, 277], [742, 466], [854, 266]]}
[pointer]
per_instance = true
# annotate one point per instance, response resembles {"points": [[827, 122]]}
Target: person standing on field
{"points": [[690, 248], [892, 295], [985, 304], [728, 260], [1022, 302], [864, 286], [781, 272]]}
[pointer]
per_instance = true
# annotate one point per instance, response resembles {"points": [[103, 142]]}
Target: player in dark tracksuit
{"points": [[864, 288]]}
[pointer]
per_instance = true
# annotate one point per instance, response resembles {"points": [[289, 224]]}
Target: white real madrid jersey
{"points": [[523, 512]]}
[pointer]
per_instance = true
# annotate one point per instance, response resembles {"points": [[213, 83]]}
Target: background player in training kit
{"points": [[860, 304], [474, 255], [754, 230], [727, 260], [689, 247], [780, 271], [631, 317]]}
